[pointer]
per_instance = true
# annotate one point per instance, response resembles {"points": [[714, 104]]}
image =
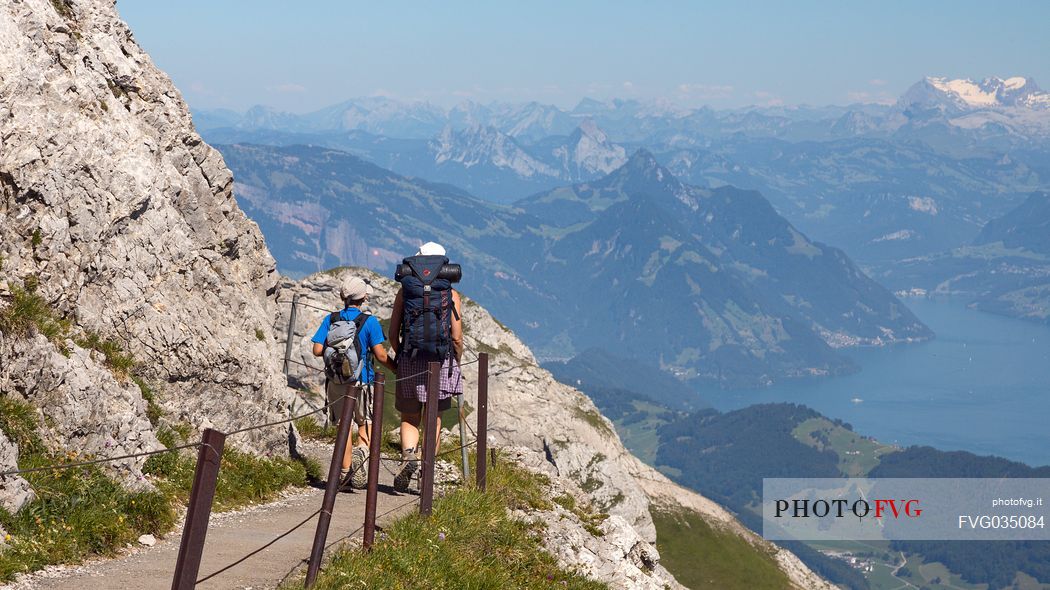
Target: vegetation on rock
{"points": [[78, 511], [470, 541], [701, 556], [81, 512]]}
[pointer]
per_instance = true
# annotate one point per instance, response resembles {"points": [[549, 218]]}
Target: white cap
{"points": [[355, 289], [431, 249]]}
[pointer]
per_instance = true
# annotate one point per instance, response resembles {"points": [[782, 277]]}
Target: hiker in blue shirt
{"points": [[354, 294]]}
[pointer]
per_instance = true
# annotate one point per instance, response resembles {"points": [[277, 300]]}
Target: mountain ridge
{"points": [[523, 253], [534, 120], [1004, 270], [883, 182]]}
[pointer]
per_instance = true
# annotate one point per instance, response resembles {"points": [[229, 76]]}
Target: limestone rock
{"points": [[111, 201], [447, 474], [74, 389], [147, 540], [613, 552], [14, 490]]}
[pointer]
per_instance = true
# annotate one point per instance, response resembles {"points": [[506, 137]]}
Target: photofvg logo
{"points": [[840, 508], [905, 509]]}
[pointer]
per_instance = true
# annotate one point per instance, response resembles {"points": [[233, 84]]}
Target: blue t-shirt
{"points": [[371, 334]]}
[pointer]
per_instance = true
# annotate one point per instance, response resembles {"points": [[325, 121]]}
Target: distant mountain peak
{"points": [[964, 94], [642, 165], [589, 151], [642, 160], [643, 176], [588, 104], [485, 145], [589, 128]]}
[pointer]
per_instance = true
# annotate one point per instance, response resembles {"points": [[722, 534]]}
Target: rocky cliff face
{"points": [[552, 428], [121, 221]]}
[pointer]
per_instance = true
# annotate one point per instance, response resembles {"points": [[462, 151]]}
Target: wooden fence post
{"points": [[375, 448], [202, 495], [432, 436], [331, 490], [290, 334], [483, 418]]}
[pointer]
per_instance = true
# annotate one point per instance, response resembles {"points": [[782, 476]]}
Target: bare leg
{"points": [[348, 455], [336, 395], [364, 433], [409, 430], [437, 445]]}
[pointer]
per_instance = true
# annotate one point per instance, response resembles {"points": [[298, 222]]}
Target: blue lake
{"points": [[982, 385]]}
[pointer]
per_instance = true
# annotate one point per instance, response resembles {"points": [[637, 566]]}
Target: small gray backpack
{"points": [[343, 360]]}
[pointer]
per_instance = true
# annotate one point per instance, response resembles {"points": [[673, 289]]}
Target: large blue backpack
{"points": [[426, 321]]}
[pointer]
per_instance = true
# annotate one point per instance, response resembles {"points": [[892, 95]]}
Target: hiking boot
{"points": [[409, 464], [344, 479], [359, 468]]}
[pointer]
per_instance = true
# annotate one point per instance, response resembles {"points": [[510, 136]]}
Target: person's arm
{"points": [[395, 321], [320, 335], [457, 327], [376, 339], [379, 352]]}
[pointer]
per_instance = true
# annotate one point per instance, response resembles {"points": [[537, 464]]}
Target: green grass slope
{"points": [[700, 556]]}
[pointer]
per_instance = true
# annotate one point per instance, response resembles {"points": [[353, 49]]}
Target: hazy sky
{"points": [[300, 56]]}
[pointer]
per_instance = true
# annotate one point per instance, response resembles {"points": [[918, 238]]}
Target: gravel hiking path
{"points": [[232, 536]]}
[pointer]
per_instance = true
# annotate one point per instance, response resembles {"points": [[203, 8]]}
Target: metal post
{"points": [[331, 490], [290, 334], [426, 481], [375, 447], [202, 494], [483, 417], [463, 438]]}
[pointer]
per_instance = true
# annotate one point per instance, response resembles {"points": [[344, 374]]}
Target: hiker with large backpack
{"points": [[348, 340], [425, 326]]}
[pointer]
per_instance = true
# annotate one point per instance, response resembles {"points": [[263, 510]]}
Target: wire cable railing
{"points": [[58, 466], [255, 552], [304, 304], [292, 419]]}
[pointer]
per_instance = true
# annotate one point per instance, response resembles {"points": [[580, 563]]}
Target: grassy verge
{"points": [[700, 556], [470, 541], [243, 478], [309, 428], [80, 512]]}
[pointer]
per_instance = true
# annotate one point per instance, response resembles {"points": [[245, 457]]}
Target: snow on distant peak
{"points": [[1015, 83], [965, 90], [993, 92]]}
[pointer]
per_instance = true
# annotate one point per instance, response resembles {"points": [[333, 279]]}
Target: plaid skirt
{"points": [[412, 379]]}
